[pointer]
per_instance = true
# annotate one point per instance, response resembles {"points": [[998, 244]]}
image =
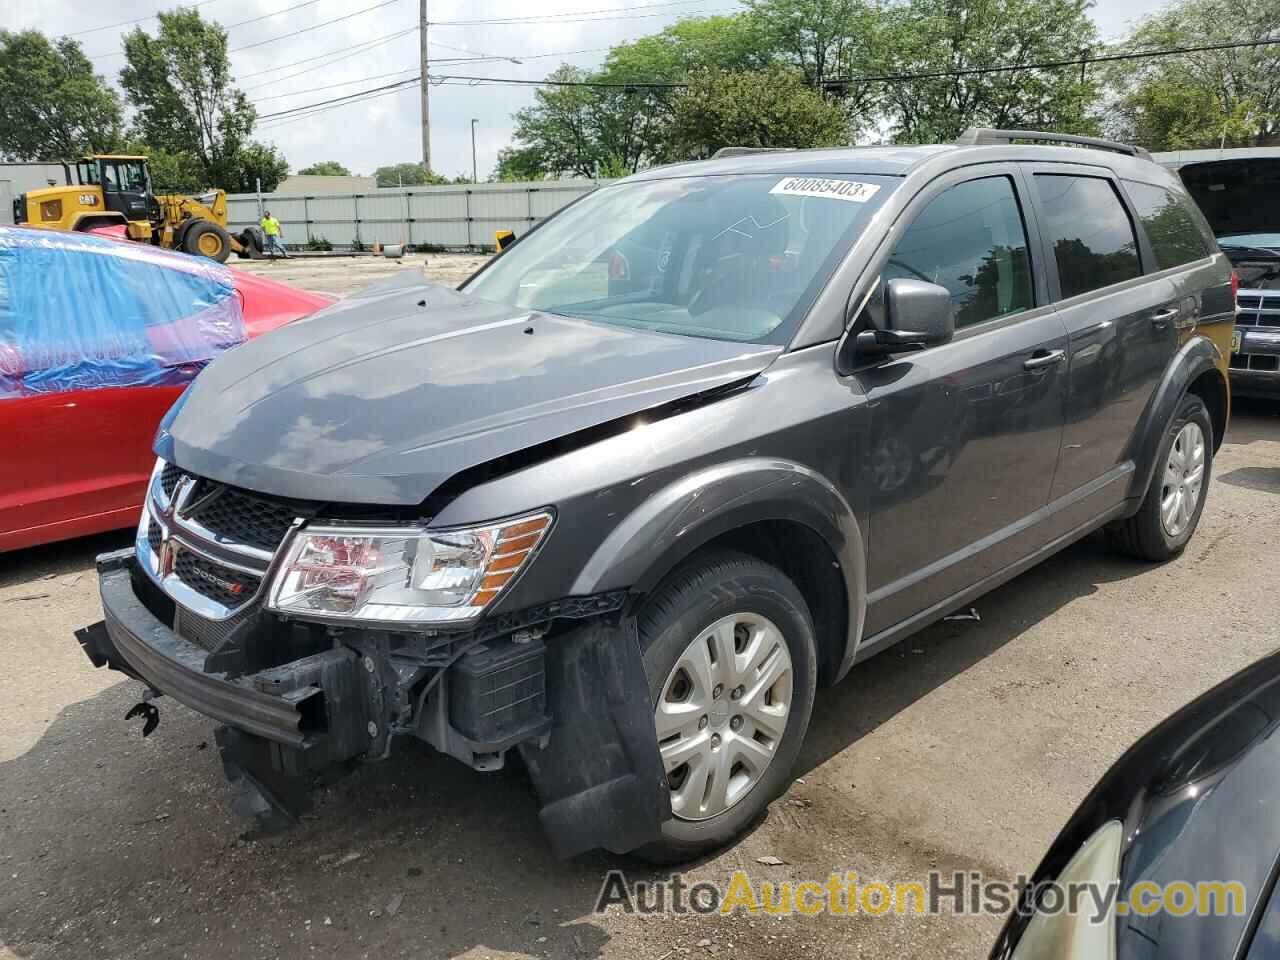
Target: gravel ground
{"points": [[343, 275], [966, 747]]}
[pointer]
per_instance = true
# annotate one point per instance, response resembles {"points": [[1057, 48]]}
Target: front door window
{"points": [[971, 240]]}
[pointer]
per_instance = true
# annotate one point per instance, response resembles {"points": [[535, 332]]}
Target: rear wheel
{"points": [[1170, 512], [730, 656], [206, 239]]}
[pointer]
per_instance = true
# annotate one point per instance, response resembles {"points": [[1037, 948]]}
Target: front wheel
{"points": [[1170, 512], [207, 239], [730, 656]]}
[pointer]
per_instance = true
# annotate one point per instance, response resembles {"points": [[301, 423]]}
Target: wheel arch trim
{"points": [[1197, 356], [696, 509]]}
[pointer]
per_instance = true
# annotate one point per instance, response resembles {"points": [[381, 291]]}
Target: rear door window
{"points": [[1092, 237], [971, 240], [1175, 237]]}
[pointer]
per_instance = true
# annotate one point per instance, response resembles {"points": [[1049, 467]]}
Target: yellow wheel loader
{"points": [[115, 190]]}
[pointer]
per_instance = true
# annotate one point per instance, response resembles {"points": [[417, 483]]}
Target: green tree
{"points": [[1205, 99], [732, 42], [179, 84], [519, 163], [761, 109], [823, 39], [172, 172], [52, 105], [325, 168], [574, 129], [252, 163], [407, 175], [946, 36]]}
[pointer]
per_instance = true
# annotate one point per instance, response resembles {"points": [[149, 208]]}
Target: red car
{"points": [[97, 340]]}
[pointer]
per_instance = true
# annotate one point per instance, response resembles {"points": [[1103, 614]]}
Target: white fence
{"points": [[453, 216]]}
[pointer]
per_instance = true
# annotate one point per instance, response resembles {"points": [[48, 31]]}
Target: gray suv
{"points": [[690, 449]]}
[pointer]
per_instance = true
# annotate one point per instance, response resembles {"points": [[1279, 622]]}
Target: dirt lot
{"points": [[343, 275], [964, 748]]}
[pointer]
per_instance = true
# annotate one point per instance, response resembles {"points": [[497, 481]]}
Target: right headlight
{"points": [[408, 575], [1063, 935]]}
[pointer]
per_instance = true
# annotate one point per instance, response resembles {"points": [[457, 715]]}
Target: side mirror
{"points": [[918, 314]]}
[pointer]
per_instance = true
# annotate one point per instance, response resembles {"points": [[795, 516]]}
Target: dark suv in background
{"points": [[697, 444], [1239, 192]]}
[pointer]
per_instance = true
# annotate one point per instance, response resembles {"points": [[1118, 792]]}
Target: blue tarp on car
{"points": [[80, 312]]}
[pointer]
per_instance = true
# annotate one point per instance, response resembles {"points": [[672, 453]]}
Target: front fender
{"points": [[689, 513], [1197, 355]]}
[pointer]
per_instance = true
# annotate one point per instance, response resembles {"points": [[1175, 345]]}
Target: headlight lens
{"points": [[404, 574], [1075, 936]]}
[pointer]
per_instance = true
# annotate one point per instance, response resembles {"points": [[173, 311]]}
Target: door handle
{"points": [[1160, 319], [1043, 358]]}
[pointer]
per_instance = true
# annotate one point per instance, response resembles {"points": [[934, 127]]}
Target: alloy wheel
{"points": [[1183, 477], [722, 713]]}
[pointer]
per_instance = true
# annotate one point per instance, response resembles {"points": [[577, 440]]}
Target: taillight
{"points": [[1235, 285]]}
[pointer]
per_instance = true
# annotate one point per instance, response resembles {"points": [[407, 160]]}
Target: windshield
{"points": [[724, 257]]}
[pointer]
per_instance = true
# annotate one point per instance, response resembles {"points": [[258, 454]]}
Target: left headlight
{"points": [[403, 574]]}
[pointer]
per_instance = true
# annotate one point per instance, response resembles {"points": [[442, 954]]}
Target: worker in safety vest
{"points": [[271, 228]]}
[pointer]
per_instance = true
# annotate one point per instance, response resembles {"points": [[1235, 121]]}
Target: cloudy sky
{"points": [[293, 54]]}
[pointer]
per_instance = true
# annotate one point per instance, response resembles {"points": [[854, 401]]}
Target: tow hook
{"points": [[147, 710]]}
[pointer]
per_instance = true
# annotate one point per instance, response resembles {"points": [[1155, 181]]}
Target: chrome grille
{"points": [[209, 547], [1260, 362], [222, 584], [238, 516], [1258, 308]]}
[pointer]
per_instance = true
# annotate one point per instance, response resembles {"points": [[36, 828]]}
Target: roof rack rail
{"points": [[743, 151], [978, 136]]}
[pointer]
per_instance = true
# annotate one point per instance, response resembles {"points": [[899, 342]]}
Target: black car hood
{"points": [[381, 398]]}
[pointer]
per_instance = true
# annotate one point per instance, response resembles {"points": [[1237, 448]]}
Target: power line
{"points": [[878, 78], [129, 23], [339, 100], [521, 23], [228, 27], [1051, 64], [268, 16], [311, 109], [361, 99], [355, 49], [488, 58], [517, 82], [534, 17], [331, 86], [317, 26], [521, 57]]}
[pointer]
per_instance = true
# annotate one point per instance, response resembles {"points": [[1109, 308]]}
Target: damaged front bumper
{"points": [[575, 703]]}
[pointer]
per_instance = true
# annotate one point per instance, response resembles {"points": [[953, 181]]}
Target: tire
{"points": [[764, 620], [1149, 534], [206, 239], [254, 241]]}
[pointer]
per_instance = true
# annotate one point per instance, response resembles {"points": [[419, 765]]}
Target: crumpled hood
{"points": [[381, 398]]}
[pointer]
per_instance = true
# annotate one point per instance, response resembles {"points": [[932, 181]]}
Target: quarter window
{"points": [[1175, 237], [1093, 239], [971, 240]]}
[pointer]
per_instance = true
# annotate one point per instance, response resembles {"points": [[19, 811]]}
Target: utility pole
{"points": [[426, 103], [474, 121]]}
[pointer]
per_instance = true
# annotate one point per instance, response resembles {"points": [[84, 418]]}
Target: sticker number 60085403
{"points": [[850, 190]]}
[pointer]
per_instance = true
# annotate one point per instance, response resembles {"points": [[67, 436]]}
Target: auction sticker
{"points": [[850, 190]]}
